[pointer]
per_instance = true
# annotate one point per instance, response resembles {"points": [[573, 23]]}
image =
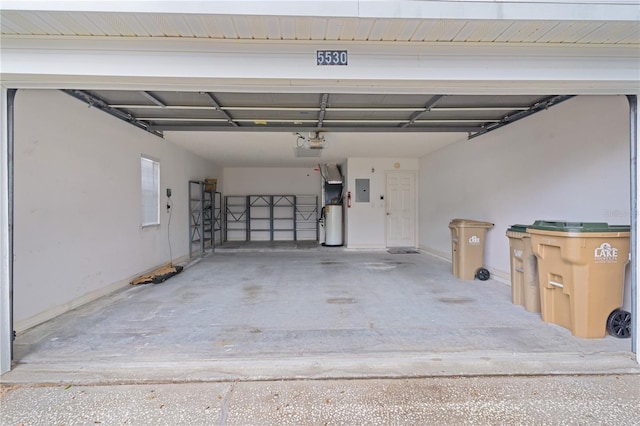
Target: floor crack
{"points": [[224, 409]]}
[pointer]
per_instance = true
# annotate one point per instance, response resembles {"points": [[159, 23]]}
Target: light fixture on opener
{"points": [[313, 140]]}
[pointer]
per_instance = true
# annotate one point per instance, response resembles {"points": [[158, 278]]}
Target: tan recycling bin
{"points": [[467, 248], [525, 290], [581, 273]]}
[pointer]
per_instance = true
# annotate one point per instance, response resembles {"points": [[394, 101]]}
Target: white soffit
{"points": [[582, 22]]}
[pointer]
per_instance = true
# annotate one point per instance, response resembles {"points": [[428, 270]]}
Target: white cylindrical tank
{"points": [[333, 225]]}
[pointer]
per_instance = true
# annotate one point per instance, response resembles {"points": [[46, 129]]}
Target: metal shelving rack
{"points": [[283, 217], [217, 217], [259, 217], [306, 214], [235, 218], [202, 214], [270, 217]]}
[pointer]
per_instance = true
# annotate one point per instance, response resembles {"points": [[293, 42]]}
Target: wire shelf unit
{"points": [[271, 217]]}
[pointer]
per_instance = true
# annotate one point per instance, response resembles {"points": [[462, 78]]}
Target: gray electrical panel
{"points": [[362, 190]]}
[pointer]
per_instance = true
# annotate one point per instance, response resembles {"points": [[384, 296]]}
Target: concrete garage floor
{"points": [[316, 313]]}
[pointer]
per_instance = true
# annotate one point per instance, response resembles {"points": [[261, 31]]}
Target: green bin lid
{"points": [[563, 226], [518, 228]]}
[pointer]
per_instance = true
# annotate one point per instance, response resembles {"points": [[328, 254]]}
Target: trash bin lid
{"points": [[563, 226], [518, 228], [468, 223]]}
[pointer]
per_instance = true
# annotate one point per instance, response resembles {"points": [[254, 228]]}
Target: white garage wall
{"points": [[78, 208], [367, 221], [570, 162], [271, 180]]}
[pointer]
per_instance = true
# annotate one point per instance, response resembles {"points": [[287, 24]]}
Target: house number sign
{"points": [[331, 57]]}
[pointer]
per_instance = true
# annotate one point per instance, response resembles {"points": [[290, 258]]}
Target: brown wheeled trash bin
{"points": [[525, 290], [467, 248], [581, 273]]}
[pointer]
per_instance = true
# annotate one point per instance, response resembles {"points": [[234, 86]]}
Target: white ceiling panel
{"points": [[258, 28], [288, 28], [393, 29], [226, 27], [196, 26], [363, 29], [567, 32], [211, 27], [349, 29], [29, 23], [8, 26], [632, 38], [58, 25], [445, 31], [272, 27], [378, 30], [124, 25], [482, 31], [428, 30], [151, 25], [94, 25], [303, 29], [317, 28], [613, 32], [176, 27], [408, 29], [243, 29], [526, 32], [333, 29]]}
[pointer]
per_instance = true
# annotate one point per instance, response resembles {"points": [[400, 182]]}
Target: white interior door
{"points": [[401, 209]]}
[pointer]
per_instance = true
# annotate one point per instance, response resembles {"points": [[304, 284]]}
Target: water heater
{"points": [[333, 225]]}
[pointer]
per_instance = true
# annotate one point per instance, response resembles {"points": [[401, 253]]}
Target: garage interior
{"points": [[510, 156], [311, 311]]}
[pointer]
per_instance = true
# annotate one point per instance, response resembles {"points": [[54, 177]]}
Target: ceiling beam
{"points": [[427, 107], [333, 109], [297, 121], [512, 118], [153, 99], [296, 129], [102, 105], [216, 104]]}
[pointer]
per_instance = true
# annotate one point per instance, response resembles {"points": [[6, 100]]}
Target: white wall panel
{"points": [[568, 163], [271, 180], [78, 205], [367, 221]]}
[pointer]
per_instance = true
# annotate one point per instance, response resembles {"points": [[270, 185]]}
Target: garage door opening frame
{"points": [[6, 222]]}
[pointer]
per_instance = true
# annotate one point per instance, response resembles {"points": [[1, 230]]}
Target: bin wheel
{"points": [[483, 274], [619, 324]]}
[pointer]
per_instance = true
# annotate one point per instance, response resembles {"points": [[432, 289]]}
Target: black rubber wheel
{"points": [[482, 274], [619, 324]]}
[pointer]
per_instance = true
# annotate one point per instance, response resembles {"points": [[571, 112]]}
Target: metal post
{"points": [[213, 221], [248, 218], [633, 128], [189, 206], [295, 217], [271, 218], [225, 218], [202, 248], [317, 223], [6, 230]]}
